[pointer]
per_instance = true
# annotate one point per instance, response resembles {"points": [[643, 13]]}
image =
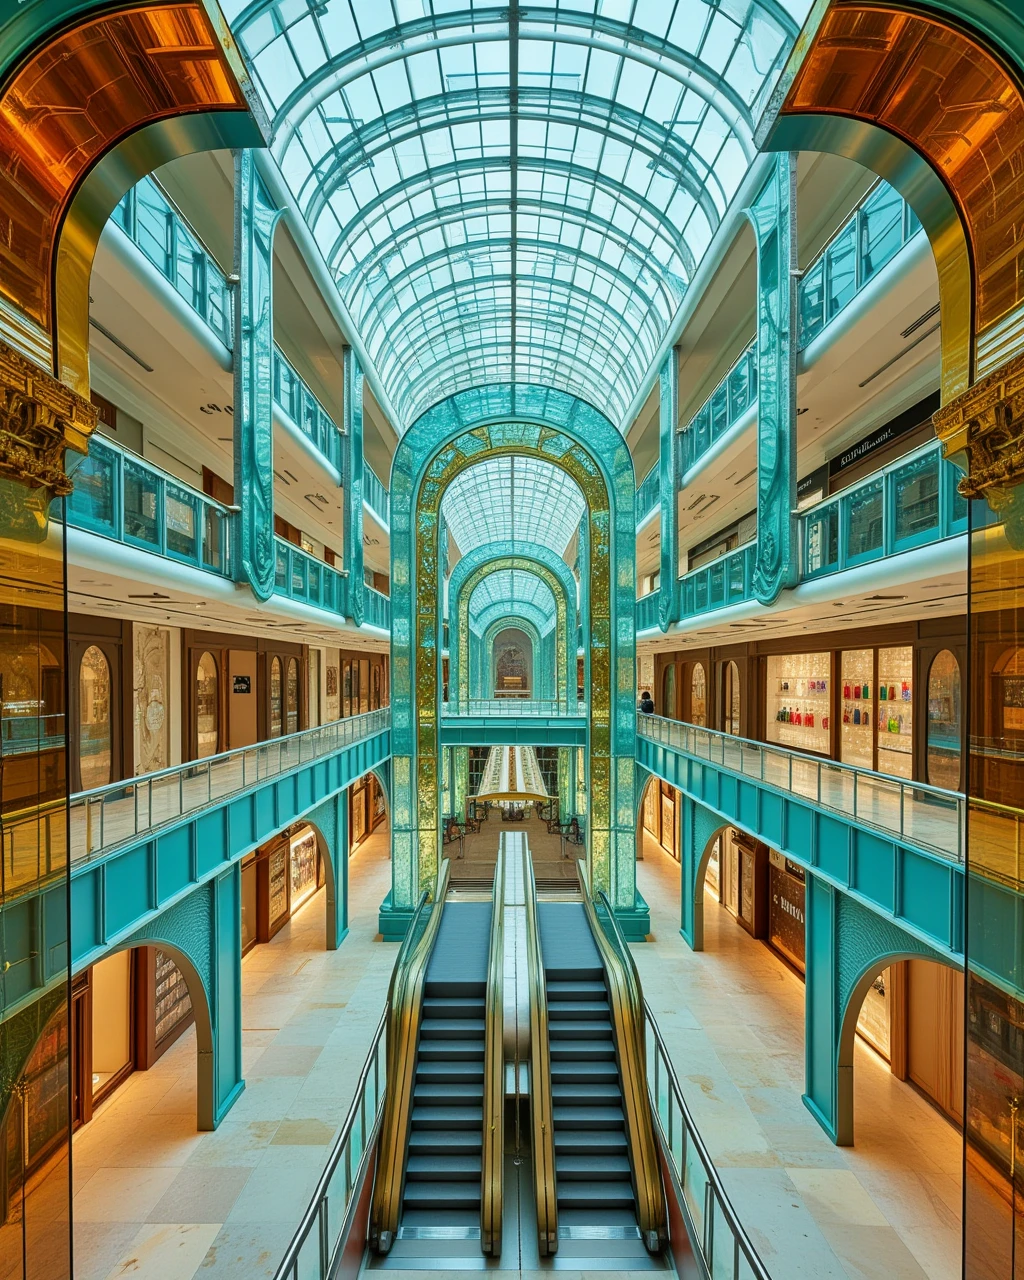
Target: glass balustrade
{"points": [[293, 396], [121, 496], [109, 816], [647, 611], [649, 493], [300, 576], [928, 817], [725, 581], [513, 707], [150, 220], [722, 409], [375, 495], [376, 608]]}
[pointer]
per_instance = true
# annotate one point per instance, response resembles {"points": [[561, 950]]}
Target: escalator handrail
{"points": [[405, 1010], [493, 1148], [627, 1008], [541, 1105]]}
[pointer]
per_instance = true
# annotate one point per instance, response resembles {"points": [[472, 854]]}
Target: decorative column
{"points": [[460, 758], [256, 216], [773, 215], [353, 482], [565, 788], [668, 485]]}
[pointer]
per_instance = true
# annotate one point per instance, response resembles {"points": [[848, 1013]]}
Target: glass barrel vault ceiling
{"points": [[513, 192], [508, 498], [515, 593]]}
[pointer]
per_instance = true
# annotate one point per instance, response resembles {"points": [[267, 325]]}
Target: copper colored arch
{"points": [[952, 102], [159, 73]]}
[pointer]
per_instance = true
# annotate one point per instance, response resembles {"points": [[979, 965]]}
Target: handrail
{"points": [[890, 804], [301, 576], [493, 1150], [648, 493], [626, 999], [296, 401], [542, 1116], [375, 495], [405, 1011], [706, 1208], [324, 1227], [512, 707]]}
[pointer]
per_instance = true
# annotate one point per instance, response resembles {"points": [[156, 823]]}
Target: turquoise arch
{"points": [[542, 681]]}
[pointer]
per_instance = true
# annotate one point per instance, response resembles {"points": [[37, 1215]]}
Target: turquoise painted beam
{"points": [[514, 731]]}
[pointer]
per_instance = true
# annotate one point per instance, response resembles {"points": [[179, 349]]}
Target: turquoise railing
{"points": [[120, 496], [376, 609], [303, 577], [155, 226], [294, 397], [870, 238], [728, 580], [375, 495], [647, 611], [907, 504], [649, 493]]}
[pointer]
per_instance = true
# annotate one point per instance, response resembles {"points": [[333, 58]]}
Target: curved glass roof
{"points": [[511, 589], [509, 497], [508, 193]]}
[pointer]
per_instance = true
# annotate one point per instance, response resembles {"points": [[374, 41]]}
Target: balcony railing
{"points": [[728, 580], [300, 576], [513, 707], [293, 396], [120, 496], [872, 236], [647, 611], [907, 504], [109, 816], [649, 493], [924, 816], [376, 608], [723, 408], [158, 229], [375, 495]]}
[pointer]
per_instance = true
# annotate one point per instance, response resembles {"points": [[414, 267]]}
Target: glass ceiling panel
{"points": [[509, 498], [510, 589], [541, 619], [508, 194]]}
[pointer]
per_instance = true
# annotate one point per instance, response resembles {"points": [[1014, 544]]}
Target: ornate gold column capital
{"points": [[39, 419], [983, 433]]}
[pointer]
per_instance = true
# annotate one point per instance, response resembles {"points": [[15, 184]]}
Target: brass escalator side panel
{"points": [[627, 1006], [493, 1149], [405, 1010], [541, 1104]]}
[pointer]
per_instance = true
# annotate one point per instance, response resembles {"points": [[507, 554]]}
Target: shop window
{"points": [[207, 707], [668, 692], [172, 1004], [292, 696], [276, 699], [95, 731], [698, 696], [895, 711], [856, 737], [797, 701], [303, 857], [1010, 695], [944, 722], [731, 698], [111, 1022]]}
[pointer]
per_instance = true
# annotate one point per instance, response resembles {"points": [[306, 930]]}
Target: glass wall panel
{"points": [[95, 728], [142, 500], [292, 696], [207, 707], [863, 510], [276, 699], [841, 268], [856, 738], [915, 491], [895, 711], [944, 722]]}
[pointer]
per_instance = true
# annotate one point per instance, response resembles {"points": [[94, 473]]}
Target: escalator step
{"points": [[582, 1050], [449, 1072], [454, 1142], [442, 1195], [584, 1093], [452, 1007], [432, 1117], [451, 1168], [595, 1117], [569, 1009], [452, 1028], [451, 1050], [583, 973], [579, 1029], [454, 1094], [579, 990], [593, 1143], [602, 1071], [595, 1195], [600, 1168]]}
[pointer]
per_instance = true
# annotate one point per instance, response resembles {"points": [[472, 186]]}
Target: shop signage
{"points": [[241, 684], [901, 425]]}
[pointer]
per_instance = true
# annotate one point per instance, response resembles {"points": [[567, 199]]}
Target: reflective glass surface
{"points": [[506, 498], [513, 194]]}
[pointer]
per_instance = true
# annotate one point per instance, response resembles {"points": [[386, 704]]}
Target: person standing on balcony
{"points": [[646, 704]]}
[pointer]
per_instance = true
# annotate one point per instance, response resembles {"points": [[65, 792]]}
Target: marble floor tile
{"points": [[161, 1250], [201, 1194], [121, 1195]]}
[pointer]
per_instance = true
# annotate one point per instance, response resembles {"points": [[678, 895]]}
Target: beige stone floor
{"points": [[887, 1208], [154, 1199]]}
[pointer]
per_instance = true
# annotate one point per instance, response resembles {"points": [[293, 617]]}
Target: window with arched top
{"points": [[95, 727], [292, 697], [668, 692], [207, 707], [276, 699], [731, 698], [944, 730], [698, 696]]}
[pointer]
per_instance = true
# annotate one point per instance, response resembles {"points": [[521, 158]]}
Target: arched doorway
{"points": [[944, 728], [512, 664], [207, 704]]}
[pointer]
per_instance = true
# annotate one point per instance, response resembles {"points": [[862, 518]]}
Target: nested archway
{"points": [[487, 671], [553, 426]]}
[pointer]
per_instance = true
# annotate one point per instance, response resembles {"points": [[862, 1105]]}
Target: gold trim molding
{"points": [[983, 433], [39, 419]]}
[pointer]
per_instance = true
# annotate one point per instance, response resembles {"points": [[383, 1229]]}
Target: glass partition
{"points": [[207, 707], [95, 728], [944, 726]]}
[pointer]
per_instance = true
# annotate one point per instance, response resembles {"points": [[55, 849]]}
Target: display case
{"points": [[857, 708], [798, 701], [277, 889], [303, 857], [172, 1005], [895, 711]]}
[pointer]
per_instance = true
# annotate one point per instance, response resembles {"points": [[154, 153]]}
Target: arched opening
{"points": [[668, 692], [207, 706], [292, 697], [95, 719], [945, 743], [512, 660], [731, 705], [698, 696], [658, 819], [276, 719]]}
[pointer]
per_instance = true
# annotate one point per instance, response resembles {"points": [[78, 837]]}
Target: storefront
{"points": [[798, 701], [659, 815], [878, 709], [367, 809], [786, 904], [276, 881], [736, 876]]}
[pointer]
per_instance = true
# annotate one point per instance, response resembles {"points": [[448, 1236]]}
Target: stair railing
{"points": [[493, 1151], [541, 1106], [627, 1006], [404, 1014]]}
